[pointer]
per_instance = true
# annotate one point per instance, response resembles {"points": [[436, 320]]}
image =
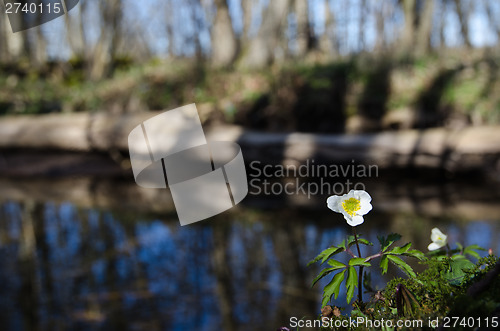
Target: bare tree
{"points": [[247, 20], [494, 23], [423, 38], [408, 32], [442, 40], [362, 19], [4, 51], [328, 38], [38, 47], [224, 44], [75, 32], [104, 52], [261, 49], [463, 18], [198, 27], [380, 26], [170, 28], [303, 37], [14, 45]]}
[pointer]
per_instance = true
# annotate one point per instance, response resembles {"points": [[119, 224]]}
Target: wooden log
{"points": [[468, 149]]}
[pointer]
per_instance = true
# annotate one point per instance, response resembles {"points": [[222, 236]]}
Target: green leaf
{"points": [[326, 254], [336, 251], [322, 274], [352, 241], [456, 273], [400, 250], [415, 253], [401, 265], [459, 246], [386, 242], [332, 288], [351, 282], [384, 263], [476, 247], [471, 250], [472, 253], [359, 261], [336, 264]]}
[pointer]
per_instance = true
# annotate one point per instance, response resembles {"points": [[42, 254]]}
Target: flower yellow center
{"points": [[351, 206]]}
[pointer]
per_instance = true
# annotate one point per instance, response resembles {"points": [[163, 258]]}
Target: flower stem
{"points": [[360, 276]]}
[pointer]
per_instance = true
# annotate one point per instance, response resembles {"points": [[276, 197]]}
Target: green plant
{"points": [[387, 253]]}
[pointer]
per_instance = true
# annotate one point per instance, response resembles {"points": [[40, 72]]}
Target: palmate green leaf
{"points": [[385, 243], [351, 282], [332, 288], [326, 254], [359, 261], [401, 265], [400, 250], [384, 264], [458, 265]]}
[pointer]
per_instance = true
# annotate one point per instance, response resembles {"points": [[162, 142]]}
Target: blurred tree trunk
{"points": [[104, 52], [362, 19], [491, 18], [442, 24], [261, 49], [4, 52], [423, 39], [328, 39], [303, 37], [13, 45], [247, 21], [169, 17], [75, 32], [380, 27], [198, 27], [38, 48], [463, 18], [224, 45], [408, 33]]}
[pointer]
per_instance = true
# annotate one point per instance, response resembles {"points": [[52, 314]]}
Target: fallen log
{"points": [[467, 149]]}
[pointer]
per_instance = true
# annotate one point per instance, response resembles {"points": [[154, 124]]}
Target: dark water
{"points": [[70, 262]]}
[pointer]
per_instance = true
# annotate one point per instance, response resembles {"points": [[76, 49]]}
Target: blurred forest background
{"points": [[281, 65]]}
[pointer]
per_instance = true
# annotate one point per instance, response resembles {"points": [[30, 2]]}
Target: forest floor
{"points": [[356, 94]]}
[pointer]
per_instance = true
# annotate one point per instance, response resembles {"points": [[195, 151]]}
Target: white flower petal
{"points": [[362, 196], [438, 236], [355, 221], [433, 246], [334, 203], [365, 208]]}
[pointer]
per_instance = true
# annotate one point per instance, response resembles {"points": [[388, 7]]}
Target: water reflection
{"points": [[80, 268]]}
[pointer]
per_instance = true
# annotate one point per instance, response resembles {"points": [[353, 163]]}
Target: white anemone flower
{"points": [[438, 238], [352, 205]]}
